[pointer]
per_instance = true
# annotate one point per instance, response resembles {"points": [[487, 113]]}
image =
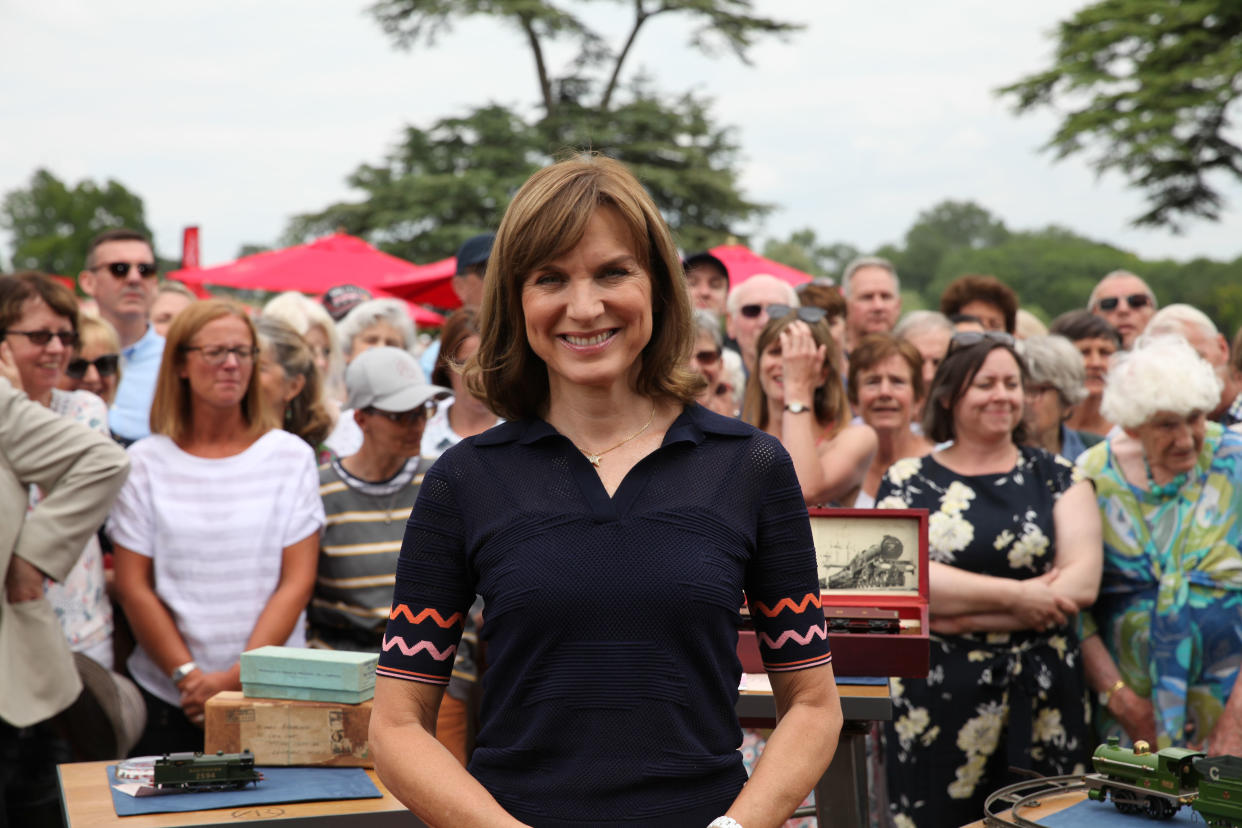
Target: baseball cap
{"points": [[705, 258], [388, 379], [474, 251], [340, 300]]}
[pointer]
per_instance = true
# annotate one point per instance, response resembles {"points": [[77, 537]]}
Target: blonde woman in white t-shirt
{"points": [[216, 530]]}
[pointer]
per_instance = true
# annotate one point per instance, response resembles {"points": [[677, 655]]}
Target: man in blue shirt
{"points": [[122, 277]]}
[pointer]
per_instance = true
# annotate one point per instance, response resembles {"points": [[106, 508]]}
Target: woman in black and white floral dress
{"points": [[1014, 542]]}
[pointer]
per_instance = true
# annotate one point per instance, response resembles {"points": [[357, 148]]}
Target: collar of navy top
{"points": [[692, 425]]}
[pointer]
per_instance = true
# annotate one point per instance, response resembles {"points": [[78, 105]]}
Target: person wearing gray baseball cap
{"points": [[366, 498]]}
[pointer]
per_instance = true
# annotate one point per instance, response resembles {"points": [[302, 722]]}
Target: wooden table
{"points": [[1048, 805], [841, 799], [88, 803]]}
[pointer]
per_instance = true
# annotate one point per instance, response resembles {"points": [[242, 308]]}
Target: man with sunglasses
{"points": [[122, 276], [1126, 302], [748, 311], [367, 497]]}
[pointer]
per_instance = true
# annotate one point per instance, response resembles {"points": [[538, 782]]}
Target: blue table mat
{"points": [[1091, 814], [279, 785]]}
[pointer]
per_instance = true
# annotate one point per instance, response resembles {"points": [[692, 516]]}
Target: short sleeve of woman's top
{"points": [[305, 516], [131, 522]]}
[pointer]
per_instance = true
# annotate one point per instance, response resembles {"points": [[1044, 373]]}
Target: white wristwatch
{"points": [[793, 408], [724, 822], [181, 672]]}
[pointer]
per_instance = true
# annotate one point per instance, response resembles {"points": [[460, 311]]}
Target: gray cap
{"points": [[389, 379]]}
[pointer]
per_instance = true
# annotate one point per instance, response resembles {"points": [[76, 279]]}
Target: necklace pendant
{"points": [[594, 458]]}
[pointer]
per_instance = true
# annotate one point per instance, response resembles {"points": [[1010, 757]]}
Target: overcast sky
{"points": [[235, 115]]}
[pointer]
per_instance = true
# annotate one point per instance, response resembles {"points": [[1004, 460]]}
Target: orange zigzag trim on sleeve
{"points": [[402, 609], [811, 598]]}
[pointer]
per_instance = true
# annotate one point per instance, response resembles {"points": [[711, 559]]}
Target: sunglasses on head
{"points": [[1134, 300], [67, 338], [121, 269], [964, 339], [106, 366]]}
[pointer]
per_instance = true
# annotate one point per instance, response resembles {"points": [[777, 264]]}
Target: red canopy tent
{"points": [[743, 263], [312, 268], [431, 284]]}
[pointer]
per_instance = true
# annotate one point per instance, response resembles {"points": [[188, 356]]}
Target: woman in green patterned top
{"points": [[1165, 657]]}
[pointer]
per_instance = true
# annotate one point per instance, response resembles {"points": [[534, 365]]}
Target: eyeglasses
{"points": [[120, 270], [67, 338], [706, 357], [406, 418], [964, 339], [106, 366], [1134, 300], [217, 354]]}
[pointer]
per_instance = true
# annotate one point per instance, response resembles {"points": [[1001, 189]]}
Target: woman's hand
{"points": [[1038, 606], [23, 581], [8, 366], [1135, 714], [198, 687], [802, 363]]}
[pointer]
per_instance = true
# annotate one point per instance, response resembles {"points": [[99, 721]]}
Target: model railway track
{"points": [[1026, 794]]}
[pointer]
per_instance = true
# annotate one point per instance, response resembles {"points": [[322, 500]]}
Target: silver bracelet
{"points": [[724, 822]]}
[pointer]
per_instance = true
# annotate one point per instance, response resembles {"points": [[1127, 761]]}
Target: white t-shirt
{"points": [[215, 530], [438, 435]]}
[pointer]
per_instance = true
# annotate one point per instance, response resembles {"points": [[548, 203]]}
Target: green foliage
{"points": [[1147, 88], [803, 251], [940, 230], [52, 224]]}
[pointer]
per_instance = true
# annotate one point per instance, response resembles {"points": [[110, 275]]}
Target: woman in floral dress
{"points": [[1014, 543], [1165, 659]]}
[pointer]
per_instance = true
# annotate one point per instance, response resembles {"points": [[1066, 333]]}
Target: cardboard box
{"points": [[302, 667], [285, 732]]}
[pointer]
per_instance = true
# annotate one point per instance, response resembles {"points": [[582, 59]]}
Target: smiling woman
{"points": [[611, 526]]}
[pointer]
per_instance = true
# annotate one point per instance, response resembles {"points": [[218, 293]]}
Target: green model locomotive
{"points": [[1159, 784], [211, 772]]}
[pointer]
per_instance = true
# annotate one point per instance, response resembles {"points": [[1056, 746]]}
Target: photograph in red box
{"points": [[868, 551]]}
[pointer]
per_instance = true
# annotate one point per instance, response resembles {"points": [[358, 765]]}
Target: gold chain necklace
{"points": [[595, 458]]}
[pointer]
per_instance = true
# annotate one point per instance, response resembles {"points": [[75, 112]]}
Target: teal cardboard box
{"points": [[299, 673]]}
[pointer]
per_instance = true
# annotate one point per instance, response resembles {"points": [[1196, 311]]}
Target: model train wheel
{"points": [[1158, 808]]}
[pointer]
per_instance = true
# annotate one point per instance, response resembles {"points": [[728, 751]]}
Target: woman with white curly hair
{"points": [[1014, 542], [1165, 658]]}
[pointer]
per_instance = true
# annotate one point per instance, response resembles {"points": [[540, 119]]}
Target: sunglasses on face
{"points": [[67, 338], [120, 270], [105, 365], [217, 354], [964, 339], [405, 418], [809, 315], [1134, 300], [706, 357]]}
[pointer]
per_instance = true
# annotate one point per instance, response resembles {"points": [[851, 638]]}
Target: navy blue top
{"points": [[610, 623]]}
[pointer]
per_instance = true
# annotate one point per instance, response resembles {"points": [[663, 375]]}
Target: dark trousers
{"points": [[29, 789], [168, 729]]}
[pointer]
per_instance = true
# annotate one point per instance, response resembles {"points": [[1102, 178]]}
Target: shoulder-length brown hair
{"points": [[875, 348], [546, 218], [952, 379], [461, 324], [171, 407], [829, 404]]}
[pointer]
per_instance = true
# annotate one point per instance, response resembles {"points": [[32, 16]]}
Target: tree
{"points": [[1149, 87], [447, 182], [52, 224], [943, 228], [803, 251]]}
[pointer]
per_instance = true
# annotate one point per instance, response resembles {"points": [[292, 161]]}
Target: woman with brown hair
{"points": [[291, 382], [886, 388], [612, 527], [796, 395], [464, 415], [216, 530]]}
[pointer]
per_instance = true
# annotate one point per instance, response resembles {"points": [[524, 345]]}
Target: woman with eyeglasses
{"points": [[796, 395], [216, 531], [96, 364], [886, 389], [1014, 547], [1057, 383], [39, 319], [707, 359]]}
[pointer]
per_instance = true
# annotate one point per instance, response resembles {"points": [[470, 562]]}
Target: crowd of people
{"points": [[313, 473]]}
